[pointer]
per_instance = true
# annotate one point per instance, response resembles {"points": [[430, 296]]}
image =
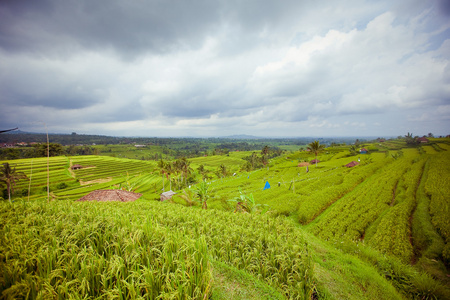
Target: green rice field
{"points": [[378, 230]]}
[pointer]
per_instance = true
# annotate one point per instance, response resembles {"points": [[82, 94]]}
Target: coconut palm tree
{"points": [[353, 150], [201, 169], [410, 139], [222, 171], [162, 169], [315, 147], [9, 176], [185, 168], [264, 153], [188, 196]]}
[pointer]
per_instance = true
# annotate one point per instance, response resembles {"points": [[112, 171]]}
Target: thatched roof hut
{"points": [[167, 195], [352, 164], [363, 151], [111, 195], [303, 164], [76, 167], [422, 140]]}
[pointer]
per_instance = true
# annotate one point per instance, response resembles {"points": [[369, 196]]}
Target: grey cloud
{"points": [[240, 65], [127, 27], [130, 28]]}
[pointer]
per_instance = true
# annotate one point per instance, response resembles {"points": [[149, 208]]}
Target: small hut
{"points": [[363, 151], [76, 167], [167, 195], [111, 195], [352, 164], [303, 164], [314, 161], [422, 140]]}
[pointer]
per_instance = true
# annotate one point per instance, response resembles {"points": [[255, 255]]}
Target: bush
{"points": [[62, 185]]}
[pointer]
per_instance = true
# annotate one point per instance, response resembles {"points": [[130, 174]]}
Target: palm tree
{"points": [[162, 169], [410, 139], [222, 171], [253, 159], [264, 153], [201, 169], [185, 168], [9, 176], [188, 196], [169, 171], [315, 147], [353, 150]]}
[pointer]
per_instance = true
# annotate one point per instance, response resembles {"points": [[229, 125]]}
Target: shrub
{"points": [[61, 185]]}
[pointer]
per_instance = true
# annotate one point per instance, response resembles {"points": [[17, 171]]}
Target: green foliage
{"points": [[9, 176], [143, 249], [393, 232], [315, 147], [247, 203], [355, 211], [53, 149], [396, 204], [203, 194], [437, 188], [66, 250], [61, 185]]}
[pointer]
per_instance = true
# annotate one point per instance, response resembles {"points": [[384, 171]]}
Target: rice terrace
{"points": [[243, 219]]}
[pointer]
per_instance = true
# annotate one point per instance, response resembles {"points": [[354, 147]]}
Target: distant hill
{"points": [[242, 137]]}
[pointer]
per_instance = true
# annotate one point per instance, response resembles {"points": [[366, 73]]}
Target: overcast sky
{"points": [[216, 68]]}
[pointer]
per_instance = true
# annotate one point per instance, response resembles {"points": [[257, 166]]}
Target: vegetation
{"points": [[9, 176], [315, 147], [378, 230], [143, 249]]}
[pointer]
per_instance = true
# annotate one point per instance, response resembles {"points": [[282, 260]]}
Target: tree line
{"points": [[40, 150]]}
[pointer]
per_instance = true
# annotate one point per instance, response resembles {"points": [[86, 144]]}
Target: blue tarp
{"points": [[267, 186]]}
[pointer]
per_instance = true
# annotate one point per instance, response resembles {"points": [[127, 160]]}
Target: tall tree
{"points": [[264, 152], [410, 139], [9, 176], [222, 171], [162, 170], [186, 169], [201, 169], [315, 147], [353, 150]]}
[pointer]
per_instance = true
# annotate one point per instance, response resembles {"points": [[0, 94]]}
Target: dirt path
{"points": [[411, 240], [393, 193], [72, 173]]}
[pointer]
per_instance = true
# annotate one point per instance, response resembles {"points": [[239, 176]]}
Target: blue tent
{"points": [[267, 186]]}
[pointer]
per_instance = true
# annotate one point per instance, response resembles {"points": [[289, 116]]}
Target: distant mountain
{"points": [[242, 137]]}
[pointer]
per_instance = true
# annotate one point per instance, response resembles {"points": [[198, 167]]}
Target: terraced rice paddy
{"points": [[394, 202]]}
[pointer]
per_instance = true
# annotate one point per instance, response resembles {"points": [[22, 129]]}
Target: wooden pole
{"points": [[31, 174], [48, 166]]}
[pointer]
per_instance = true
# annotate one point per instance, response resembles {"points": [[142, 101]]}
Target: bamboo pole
{"points": [[31, 174], [48, 166]]}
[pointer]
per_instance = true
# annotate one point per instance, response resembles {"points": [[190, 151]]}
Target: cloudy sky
{"points": [[216, 68]]}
